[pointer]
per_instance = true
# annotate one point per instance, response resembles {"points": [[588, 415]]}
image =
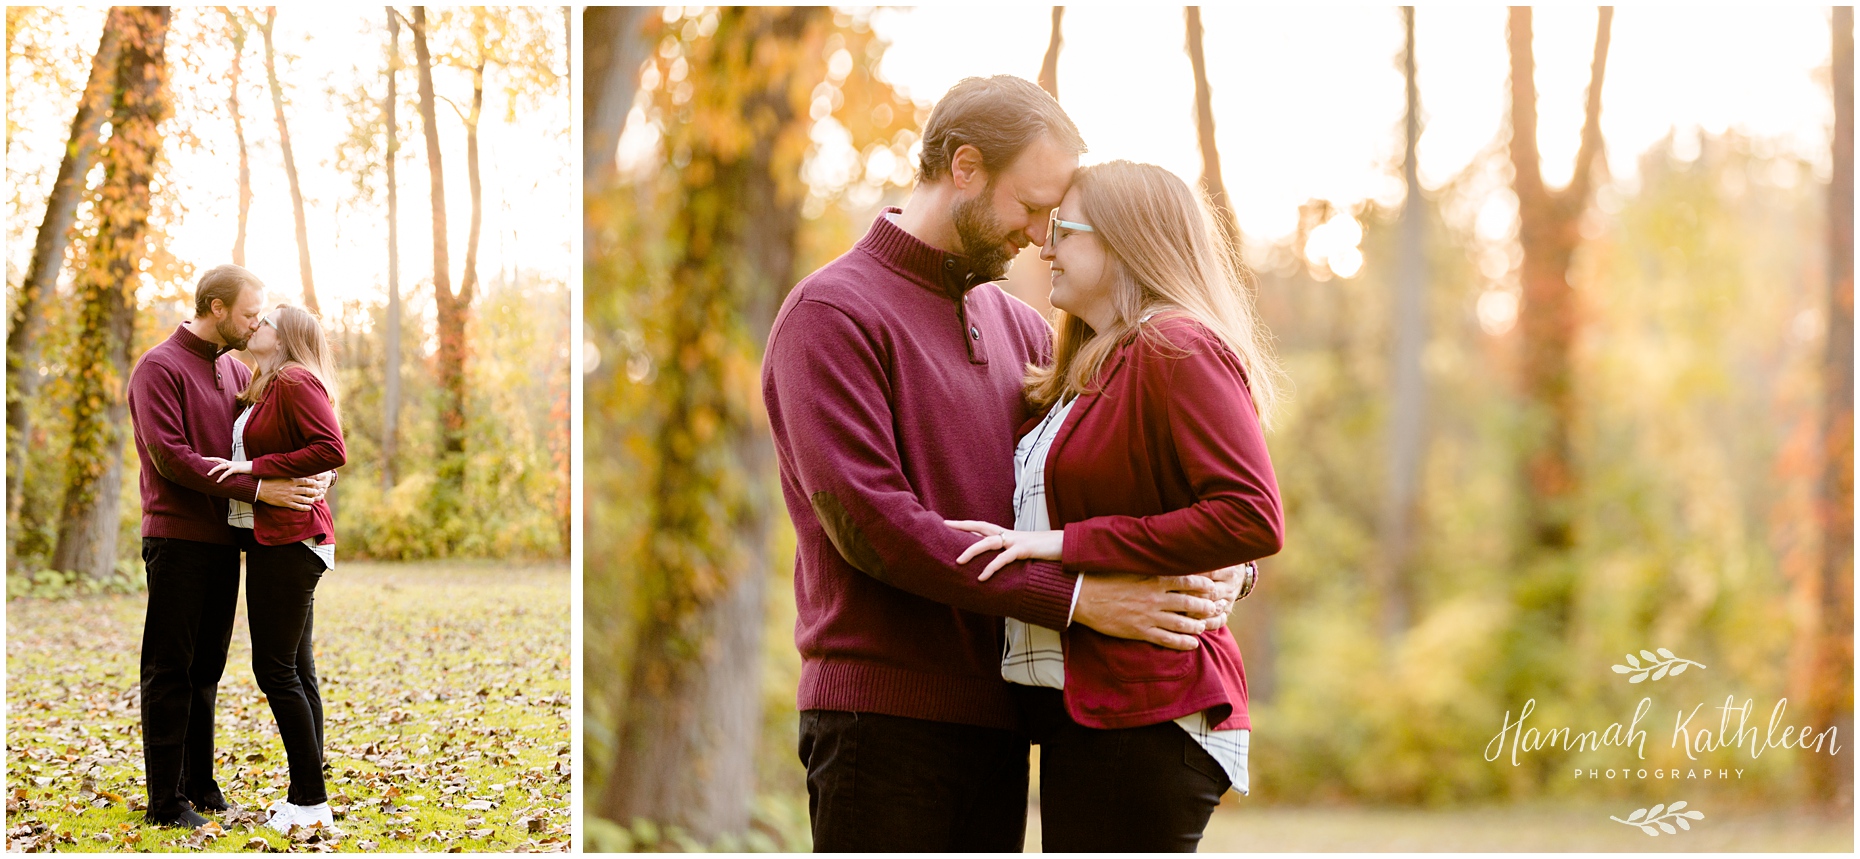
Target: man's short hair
{"points": [[1000, 116], [223, 282]]}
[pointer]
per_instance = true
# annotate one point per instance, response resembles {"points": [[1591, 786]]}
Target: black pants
{"points": [[1147, 789], [280, 602], [193, 590], [892, 784]]}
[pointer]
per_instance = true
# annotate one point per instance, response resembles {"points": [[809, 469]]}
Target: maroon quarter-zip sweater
{"points": [[182, 402], [893, 386]]}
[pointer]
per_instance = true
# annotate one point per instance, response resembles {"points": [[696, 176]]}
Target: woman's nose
{"points": [[1046, 250]]}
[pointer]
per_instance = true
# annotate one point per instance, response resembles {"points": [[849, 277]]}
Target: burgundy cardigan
{"points": [[293, 432], [893, 386], [181, 403], [1164, 472]]}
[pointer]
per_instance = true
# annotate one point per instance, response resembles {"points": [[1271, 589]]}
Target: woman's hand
{"points": [[1014, 545], [227, 468]]}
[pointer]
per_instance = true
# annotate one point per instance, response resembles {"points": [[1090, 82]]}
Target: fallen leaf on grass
{"points": [[400, 716]]}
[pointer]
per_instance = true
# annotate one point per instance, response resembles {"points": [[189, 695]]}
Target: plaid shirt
{"points": [[1034, 655], [239, 513]]}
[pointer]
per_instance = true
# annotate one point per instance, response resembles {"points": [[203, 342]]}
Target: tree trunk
{"points": [[290, 162], [686, 733], [390, 425], [1204, 132], [1831, 694], [235, 24], [1049, 67], [1549, 232], [48, 254], [1407, 430], [88, 528], [612, 51], [451, 423], [454, 311]]}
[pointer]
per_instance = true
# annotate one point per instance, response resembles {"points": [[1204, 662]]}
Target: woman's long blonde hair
{"points": [[1165, 257], [300, 343]]}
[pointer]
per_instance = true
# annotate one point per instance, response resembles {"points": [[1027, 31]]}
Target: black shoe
{"points": [[187, 819], [211, 803]]}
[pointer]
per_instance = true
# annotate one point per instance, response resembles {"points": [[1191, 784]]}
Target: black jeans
{"points": [[1148, 789], [893, 784], [280, 603], [193, 591]]}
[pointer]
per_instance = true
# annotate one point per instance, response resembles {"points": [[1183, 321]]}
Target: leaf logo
{"points": [[1648, 818], [1665, 664]]}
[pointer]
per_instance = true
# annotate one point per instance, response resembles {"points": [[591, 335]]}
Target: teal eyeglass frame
{"points": [[1054, 225]]}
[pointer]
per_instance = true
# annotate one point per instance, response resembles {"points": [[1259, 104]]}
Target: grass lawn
{"points": [[446, 703], [1240, 827]]}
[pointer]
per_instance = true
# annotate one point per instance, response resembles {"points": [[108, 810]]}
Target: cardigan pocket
{"points": [[1140, 661]]}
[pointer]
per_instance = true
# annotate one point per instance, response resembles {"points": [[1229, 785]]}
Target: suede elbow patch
{"points": [[845, 535]]}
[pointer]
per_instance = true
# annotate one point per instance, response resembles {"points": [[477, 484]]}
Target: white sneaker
{"points": [[314, 814], [282, 817], [285, 815]]}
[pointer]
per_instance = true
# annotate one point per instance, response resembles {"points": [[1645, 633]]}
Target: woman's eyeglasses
{"points": [[266, 320], [1056, 229]]}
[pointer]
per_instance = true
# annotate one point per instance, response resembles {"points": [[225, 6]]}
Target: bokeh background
{"points": [[467, 452], [1566, 300], [145, 145]]}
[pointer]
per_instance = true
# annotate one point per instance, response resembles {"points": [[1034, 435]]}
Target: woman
{"points": [[288, 429], [1150, 459]]}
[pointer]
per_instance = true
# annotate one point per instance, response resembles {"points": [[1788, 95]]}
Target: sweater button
{"points": [[949, 264], [975, 333]]}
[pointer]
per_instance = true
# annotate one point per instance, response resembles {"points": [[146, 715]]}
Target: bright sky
{"points": [[1308, 99], [531, 203]]}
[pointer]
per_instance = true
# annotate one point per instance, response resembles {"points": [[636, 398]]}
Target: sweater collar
{"points": [[950, 274], [191, 342]]}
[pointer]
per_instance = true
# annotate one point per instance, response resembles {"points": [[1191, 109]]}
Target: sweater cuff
{"points": [[1047, 596], [1072, 547], [242, 487]]}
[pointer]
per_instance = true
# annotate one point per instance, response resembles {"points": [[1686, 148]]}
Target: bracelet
{"points": [[257, 490]]}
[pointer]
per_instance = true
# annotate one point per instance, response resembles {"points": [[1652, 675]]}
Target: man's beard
{"points": [[983, 240], [230, 333]]}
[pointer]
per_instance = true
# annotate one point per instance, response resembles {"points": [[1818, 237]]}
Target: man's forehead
{"points": [[1043, 172], [251, 298]]}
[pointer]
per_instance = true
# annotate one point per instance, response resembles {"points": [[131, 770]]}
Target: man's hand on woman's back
{"points": [[296, 494], [1168, 610]]}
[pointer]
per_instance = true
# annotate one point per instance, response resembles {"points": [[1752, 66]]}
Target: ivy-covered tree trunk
{"points": [[455, 311], [87, 531], [686, 747], [290, 161], [48, 256], [390, 397], [1548, 230]]}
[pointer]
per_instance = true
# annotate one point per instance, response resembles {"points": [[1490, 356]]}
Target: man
{"points": [[182, 403], [893, 385]]}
